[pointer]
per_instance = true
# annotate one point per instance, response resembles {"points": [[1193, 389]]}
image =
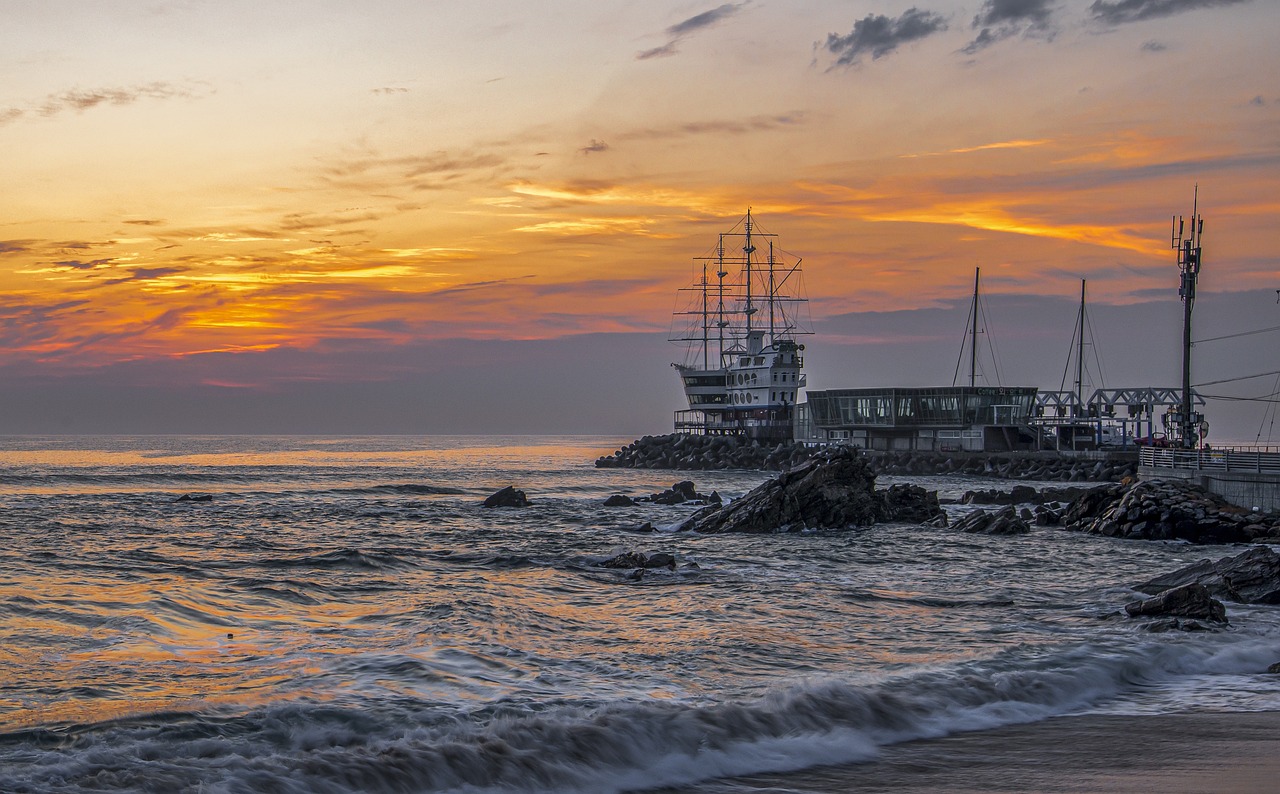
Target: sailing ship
{"points": [[739, 325]]}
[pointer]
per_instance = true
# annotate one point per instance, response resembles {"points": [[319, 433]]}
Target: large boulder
{"points": [[1187, 601], [913, 504], [835, 489], [1252, 577], [508, 497]]}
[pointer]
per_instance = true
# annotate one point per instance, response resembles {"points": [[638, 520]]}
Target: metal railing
{"points": [[1226, 459]]}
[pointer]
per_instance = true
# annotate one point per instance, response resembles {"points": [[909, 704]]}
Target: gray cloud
{"points": [[720, 127], [10, 114], [1118, 12], [681, 30], [80, 100], [880, 35], [15, 246], [997, 20], [1154, 46], [594, 146], [76, 264]]}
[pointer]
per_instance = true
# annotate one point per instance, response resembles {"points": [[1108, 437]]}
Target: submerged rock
{"points": [[1252, 577], [202, 497], [619, 500], [1187, 601], [639, 559], [679, 493], [508, 497]]}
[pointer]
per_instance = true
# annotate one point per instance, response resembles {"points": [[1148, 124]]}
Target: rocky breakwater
{"points": [[690, 453], [1168, 510], [833, 490], [704, 453]]}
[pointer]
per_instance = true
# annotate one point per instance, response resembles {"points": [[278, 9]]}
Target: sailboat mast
{"points": [[773, 288], [973, 332], [1080, 354]]}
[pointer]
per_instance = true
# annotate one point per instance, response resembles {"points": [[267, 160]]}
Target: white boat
{"points": [[742, 371]]}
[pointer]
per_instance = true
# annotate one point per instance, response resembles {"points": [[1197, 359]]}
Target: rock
{"points": [[203, 497], [508, 497], [619, 500], [1187, 601], [912, 504], [999, 522], [1252, 577], [833, 490], [638, 559], [679, 493], [1275, 668]]}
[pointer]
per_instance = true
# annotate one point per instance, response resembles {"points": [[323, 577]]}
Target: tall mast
{"points": [[773, 287], [1187, 243], [720, 274], [706, 320], [973, 331], [748, 249], [1080, 354]]}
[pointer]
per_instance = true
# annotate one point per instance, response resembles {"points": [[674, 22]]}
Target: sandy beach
{"points": [[1200, 753]]}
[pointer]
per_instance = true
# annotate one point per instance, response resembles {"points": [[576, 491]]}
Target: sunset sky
{"points": [[395, 216]]}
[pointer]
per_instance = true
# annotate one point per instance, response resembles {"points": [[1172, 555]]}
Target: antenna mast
{"points": [[1080, 356], [1187, 243]]}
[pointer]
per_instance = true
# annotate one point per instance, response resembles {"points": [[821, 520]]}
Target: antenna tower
{"points": [[1186, 241]]}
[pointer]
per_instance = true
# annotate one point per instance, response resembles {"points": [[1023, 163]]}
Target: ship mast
{"points": [[1187, 244], [720, 274], [748, 249], [773, 288]]}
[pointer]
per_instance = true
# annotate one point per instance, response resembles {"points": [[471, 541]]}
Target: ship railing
{"points": [[1238, 459]]}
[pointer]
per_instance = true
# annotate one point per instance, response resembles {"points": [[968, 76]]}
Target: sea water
{"points": [[344, 615]]}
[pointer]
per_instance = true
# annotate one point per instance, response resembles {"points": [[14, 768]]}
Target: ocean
{"points": [[343, 615]]}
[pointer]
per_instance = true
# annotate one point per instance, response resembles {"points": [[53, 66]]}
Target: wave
{"points": [[605, 747], [339, 558]]}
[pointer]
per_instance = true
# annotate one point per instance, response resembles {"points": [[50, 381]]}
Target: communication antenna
{"points": [[1186, 241]]}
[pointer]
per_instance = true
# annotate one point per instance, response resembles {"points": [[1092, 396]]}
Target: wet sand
{"points": [[1176, 754]]}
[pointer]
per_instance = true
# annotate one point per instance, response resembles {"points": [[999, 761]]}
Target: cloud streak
{"points": [[682, 30], [1120, 12], [879, 35], [79, 100]]}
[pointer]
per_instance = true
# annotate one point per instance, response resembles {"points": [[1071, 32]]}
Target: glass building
{"points": [[947, 418]]}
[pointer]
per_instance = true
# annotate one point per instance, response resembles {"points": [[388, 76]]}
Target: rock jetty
{"points": [[835, 489], [683, 452], [1167, 510]]}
